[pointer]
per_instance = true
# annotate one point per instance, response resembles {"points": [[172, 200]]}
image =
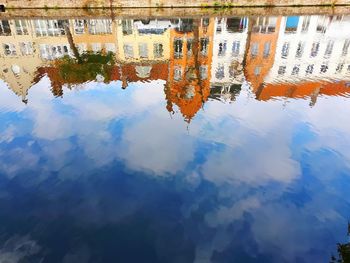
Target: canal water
{"points": [[203, 139]]}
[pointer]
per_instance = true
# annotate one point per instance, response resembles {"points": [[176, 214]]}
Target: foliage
{"points": [[86, 68]]}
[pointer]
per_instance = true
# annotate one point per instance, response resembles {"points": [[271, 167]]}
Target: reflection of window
{"points": [[281, 70], [204, 42], [82, 47], [310, 69], [96, 47], [265, 25], [128, 51], [143, 50], [50, 27], [52, 52], [5, 29], [291, 24], [158, 50], [177, 73], [285, 50], [348, 68], [110, 47], [203, 72], [222, 48], [345, 47], [220, 72], [205, 24], [189, 46], [300, 50], [235, 48], [267, 47], [306, 23], [127, 27], [321, 24], [329, 49], [295, 70], [324, 68], [339, 68], [100, 26], [178, 48], [21, 27], [9, 49], [255, 49], [257, 71], [26, 48], [79, 26], [314, 49]]}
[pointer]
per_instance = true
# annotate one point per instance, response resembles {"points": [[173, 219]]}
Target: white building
{"points": [[312, 48], [230, 36]]}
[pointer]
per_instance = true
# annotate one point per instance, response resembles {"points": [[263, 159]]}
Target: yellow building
{"points": [[140, 40]]}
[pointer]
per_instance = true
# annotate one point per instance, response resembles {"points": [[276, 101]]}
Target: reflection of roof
{"points": [[140, 71], [302, 90]]}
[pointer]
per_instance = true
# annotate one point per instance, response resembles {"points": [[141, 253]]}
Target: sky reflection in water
{"points": [[105, 174]]}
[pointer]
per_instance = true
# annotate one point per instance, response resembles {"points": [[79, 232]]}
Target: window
{"points": [[222, 48], [257, 71], [110, 47], [339, 68], [158, 50], [345, 47], [79, 26], [127, 27], [235, 48], [96, 47], [310, 69], [128, 51], [100, 26], [306, 23], [322, 24], [291, 24], [324, 68], [143, 50], [281, 70], [267, 47], [329, 49], [203, 72], [189, 46], [9, 49], [255, 49], [82, 47], [26, 48], [177, 73], [220, 72], [295, 70], [314, 49], [51, 52], [204, 42], [178, 48], [285, 50], [300, 50], [21, 27], [50, 27], [5, 29]]}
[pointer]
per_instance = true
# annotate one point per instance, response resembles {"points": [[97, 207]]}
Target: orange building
{"points": [[191, 47], [261, 48], [305, 90]]}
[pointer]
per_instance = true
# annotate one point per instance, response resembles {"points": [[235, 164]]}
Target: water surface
{"points": [[214, 139]]}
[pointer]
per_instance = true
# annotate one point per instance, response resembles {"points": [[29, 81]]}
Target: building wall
{"points": [[313, 51]]}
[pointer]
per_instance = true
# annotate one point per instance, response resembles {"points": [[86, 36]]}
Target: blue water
{"points": [[103, 174]]}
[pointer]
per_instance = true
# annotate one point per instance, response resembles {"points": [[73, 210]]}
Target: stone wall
{"points": [[134, 13], [163, 3]]}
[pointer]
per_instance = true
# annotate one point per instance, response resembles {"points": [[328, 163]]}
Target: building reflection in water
{"points": [[199, 59]]}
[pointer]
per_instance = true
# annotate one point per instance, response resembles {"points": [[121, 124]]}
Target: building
{"points": [[191, 47], [230, 36]]}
